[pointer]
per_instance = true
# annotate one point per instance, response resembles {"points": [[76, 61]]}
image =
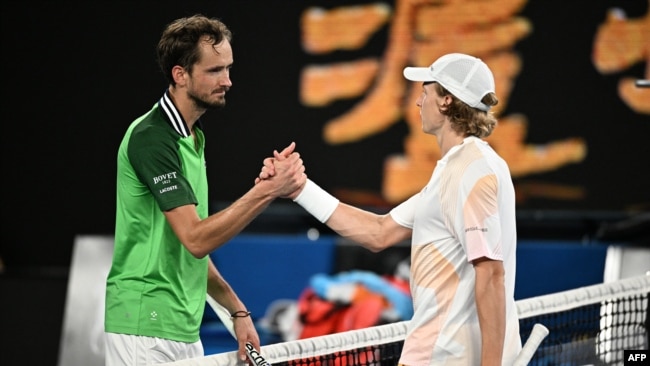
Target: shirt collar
{"points": [[174, 117]]}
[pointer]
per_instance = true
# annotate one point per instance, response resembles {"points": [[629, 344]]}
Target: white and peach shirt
{"points": [[465, 212]]}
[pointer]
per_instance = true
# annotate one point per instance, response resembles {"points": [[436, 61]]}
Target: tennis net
{"points": [[590, 325]]}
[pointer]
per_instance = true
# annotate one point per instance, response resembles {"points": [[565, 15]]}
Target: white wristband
{"points": [[317, 201]]}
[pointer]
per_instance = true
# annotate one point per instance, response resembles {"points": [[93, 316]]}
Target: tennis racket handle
{"points": [[536, 337], [255, 356]]}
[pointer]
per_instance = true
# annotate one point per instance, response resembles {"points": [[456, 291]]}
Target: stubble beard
{"points": [[206, 104]]}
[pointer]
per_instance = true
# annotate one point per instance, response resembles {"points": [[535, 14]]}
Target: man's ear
{"points": [[447, 101], [179, 74]]}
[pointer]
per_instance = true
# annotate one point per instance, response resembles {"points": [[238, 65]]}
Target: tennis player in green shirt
{"points": [[161, 269]]}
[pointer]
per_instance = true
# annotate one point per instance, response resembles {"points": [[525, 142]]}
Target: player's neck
{"points": [[185, 106], [448, 138]]}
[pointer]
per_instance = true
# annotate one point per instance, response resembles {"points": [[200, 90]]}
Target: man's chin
{"points": [[209, 103], [218, 105], [212, 105]]}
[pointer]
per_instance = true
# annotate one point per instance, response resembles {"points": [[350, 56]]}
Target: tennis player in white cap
{"points": [[461, 225]]}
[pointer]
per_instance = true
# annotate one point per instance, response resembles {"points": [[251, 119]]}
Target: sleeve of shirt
{"points": [[158, 166], [481, 222], [404, 213]]}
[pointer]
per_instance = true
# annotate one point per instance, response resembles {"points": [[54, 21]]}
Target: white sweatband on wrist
{"points": [[317, 201]]}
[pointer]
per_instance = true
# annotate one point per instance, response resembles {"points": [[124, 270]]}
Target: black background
{"points": [[77, 73]]}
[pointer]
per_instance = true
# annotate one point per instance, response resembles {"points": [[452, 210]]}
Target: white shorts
{"points": [[132, 350]]}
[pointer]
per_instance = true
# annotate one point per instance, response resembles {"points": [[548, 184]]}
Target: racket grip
{"points": [[255, 356]]}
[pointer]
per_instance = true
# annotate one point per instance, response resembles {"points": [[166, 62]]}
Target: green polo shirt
{"points": [[156, 287]]}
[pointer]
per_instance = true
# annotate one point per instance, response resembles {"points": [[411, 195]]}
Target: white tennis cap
{"points": [[466, 77]]}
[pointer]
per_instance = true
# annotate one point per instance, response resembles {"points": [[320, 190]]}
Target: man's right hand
{"points": [[274, 168]]}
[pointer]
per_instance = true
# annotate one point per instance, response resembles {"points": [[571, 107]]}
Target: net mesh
{"points": [[590, 325]]}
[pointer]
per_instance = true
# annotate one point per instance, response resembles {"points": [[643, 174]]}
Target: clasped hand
{"points": [[286, 169]]}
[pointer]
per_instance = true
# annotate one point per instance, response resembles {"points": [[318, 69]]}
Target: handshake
{"points": [[284, 172]]}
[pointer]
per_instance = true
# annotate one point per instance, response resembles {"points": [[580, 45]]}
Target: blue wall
{"points": [[545, 267], [263, 268]]}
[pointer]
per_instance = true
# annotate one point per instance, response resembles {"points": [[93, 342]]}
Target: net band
{"points": [[583, 296]]}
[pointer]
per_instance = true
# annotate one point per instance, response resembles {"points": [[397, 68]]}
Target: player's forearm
{"points": [[221, 291], [490, 303], [363, 227], [226, 296], [222, 226], [371, 230]]}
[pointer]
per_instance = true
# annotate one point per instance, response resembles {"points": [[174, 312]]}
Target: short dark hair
{"points": [[179, 43]]}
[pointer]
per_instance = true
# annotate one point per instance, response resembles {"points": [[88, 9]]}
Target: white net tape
{"points": [[579, 297]]}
